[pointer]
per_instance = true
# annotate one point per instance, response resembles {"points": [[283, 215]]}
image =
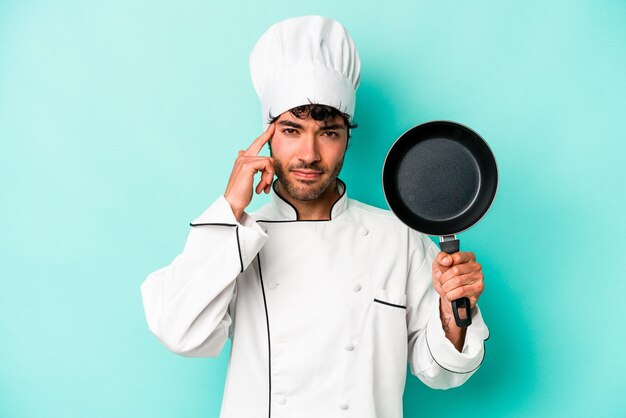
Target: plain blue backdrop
{"points": [[119, 124]]}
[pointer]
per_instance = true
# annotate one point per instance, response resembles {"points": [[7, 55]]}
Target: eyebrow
{"points": [[333, 126], [290, 123], [298, 126]]}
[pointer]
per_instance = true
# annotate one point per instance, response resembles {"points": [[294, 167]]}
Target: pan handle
{"points": [[450, 244]]}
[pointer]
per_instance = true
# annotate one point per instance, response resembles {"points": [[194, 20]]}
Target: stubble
{"points": [[301, 191]]}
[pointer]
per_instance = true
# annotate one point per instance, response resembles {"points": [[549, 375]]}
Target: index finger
{"points": [[463, 257], [258, 143], [443, 259]]}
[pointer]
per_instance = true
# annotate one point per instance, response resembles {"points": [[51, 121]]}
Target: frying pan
{"points": [[440, 178]]}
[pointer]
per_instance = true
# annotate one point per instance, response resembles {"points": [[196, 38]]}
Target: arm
{"points": [[187, 302], [432, 357]]}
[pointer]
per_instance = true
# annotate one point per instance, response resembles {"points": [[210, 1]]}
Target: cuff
{"points": [[446, 355], [250, 236]]}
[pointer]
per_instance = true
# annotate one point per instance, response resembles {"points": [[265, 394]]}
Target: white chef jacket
{"points": [[322, 315]]}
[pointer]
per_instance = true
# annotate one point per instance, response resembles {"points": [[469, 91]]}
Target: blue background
{"points": [[120, 121]]}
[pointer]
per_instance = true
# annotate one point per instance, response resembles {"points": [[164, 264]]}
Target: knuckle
{"points": [[455, 282], [451, 285], [437, 280]]}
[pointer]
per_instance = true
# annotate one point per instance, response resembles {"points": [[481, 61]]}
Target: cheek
{"points": [[281, 148], [335, 153]]}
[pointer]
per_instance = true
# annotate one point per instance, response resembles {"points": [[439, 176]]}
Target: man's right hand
{"points": [[239, 189]]}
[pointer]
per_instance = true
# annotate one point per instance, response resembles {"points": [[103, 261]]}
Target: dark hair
{"points": [[318, 112]]}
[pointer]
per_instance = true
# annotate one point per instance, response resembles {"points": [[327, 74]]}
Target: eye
{"points": [[289, 131], [331, 134]]}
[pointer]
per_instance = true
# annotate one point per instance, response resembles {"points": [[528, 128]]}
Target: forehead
{"points": [[337, 121]]}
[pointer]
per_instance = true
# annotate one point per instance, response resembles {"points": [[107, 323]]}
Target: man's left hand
{"points": [[455, 276]]}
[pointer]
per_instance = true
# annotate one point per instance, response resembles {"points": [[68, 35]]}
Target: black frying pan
{"points": [[440, 178]]}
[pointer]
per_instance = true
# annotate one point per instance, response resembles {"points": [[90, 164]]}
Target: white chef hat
{"points": [[302, 60]]}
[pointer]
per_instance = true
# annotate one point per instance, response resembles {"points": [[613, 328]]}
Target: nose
{"points": [[309, 151]]}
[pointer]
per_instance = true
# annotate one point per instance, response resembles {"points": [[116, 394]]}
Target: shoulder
{"points": [[386, 219], [376, 218], [368, 211]]}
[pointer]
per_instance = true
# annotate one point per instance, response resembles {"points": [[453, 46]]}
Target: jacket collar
{"points": [[285, 211]]}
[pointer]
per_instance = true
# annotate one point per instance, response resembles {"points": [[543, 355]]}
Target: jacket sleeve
{"points": [[187, 302], [432, 357]]}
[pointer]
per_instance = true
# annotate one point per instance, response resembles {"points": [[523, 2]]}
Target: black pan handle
{"points": [[450, 244]]}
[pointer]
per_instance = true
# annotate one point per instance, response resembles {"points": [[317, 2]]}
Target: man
{"points": [[324, 298]]}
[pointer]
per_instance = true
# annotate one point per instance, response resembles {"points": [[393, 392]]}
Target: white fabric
{"points": [[302, 60], [334, 347]]}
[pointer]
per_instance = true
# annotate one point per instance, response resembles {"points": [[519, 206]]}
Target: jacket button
{"points": [[344, 406], [363, 231], [349, 347], [273, 285], [356, 287], [282, 401]]}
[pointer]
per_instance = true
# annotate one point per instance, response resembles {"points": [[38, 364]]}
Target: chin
{"points": [[305, 193], [305, 190]]}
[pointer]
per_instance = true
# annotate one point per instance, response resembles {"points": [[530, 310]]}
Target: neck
{"points": [[312, 210]]}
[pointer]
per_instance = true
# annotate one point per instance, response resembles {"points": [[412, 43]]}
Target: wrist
{"points": [[445, 307], [237, 211], [453, 333]]}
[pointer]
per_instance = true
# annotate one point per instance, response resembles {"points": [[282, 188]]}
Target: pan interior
{"points": [[438, 179]]}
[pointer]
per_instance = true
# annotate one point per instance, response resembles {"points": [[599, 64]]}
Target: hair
{"points": [[318, 112]]}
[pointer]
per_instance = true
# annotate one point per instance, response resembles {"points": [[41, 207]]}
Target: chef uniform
{"points": [[322, 315]]}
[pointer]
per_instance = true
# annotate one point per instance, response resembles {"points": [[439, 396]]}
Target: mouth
{"points": [[307, 174]]}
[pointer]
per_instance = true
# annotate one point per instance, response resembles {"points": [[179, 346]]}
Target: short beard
{"points": [[302, 193]]}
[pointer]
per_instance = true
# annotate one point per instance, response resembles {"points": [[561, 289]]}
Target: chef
{"points": [[324, 298]]}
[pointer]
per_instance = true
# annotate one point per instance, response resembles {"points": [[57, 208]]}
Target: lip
{"points": [[306, 174]]}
